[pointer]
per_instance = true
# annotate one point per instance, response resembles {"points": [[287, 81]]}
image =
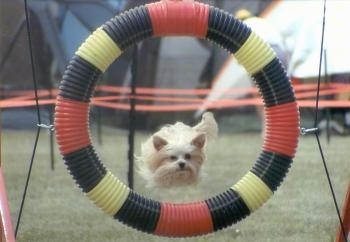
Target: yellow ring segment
{"points": [[109, 194], [254, 54], [253, 191], [99, 50]]}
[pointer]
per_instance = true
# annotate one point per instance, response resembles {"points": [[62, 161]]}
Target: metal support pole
{"points": [[132, 118]]}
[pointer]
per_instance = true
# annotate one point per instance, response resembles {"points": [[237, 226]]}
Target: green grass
{"points": [[55, 209]]}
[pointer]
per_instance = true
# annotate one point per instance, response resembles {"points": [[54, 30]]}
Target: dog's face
{"points": [[176, 163], [173, 156]]}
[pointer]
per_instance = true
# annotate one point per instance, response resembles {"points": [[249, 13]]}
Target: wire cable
{"points": [[316, 122], [38, 115]]}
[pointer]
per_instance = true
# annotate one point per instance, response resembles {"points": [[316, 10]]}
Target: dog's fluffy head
{"points": [[173, 156]]}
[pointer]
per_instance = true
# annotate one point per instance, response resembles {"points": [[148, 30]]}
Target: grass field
{"points": [[55, 209]]}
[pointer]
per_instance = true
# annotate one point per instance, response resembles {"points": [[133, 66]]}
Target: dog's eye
{"points": [[173, 157], [187, 156]]}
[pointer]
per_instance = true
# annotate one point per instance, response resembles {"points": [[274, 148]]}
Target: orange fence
{"points": [[165, 99]]}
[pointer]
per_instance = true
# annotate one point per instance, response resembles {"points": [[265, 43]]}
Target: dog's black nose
{"points": [[181, 164]]}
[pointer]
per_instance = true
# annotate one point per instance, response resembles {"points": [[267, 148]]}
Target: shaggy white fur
{"points": [[173, 156]]}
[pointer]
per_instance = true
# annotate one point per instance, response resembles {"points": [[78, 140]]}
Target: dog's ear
{"points": [[207, 125], [199, 141], [159, 142]]}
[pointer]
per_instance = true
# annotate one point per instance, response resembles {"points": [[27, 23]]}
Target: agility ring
{"points": [[176, 18]]}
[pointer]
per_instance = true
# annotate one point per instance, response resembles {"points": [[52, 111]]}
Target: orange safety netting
{"points": [[165, 99]]}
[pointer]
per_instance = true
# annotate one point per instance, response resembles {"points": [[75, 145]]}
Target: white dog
{"points": [[173, 156]]}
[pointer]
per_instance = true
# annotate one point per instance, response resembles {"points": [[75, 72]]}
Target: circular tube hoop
{"points": [[176, 18]]}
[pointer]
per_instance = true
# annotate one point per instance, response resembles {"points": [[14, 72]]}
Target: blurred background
{"points": [[59, 27], [191, 72]]}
